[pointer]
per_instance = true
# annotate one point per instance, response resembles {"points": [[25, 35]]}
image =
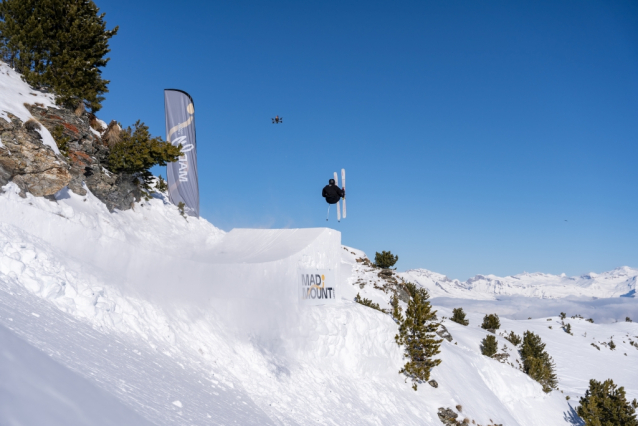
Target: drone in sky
{"points": [[277, 120]]}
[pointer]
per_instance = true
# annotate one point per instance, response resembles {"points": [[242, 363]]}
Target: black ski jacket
{"points": [[332, 194]]}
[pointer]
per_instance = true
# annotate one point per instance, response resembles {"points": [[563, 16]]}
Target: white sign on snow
{"points": [[317, 286]]}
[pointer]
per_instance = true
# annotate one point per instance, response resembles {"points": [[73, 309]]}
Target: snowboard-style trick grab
{"points": [[332, 193]]}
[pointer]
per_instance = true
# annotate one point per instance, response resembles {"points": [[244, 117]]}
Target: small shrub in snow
{"points": [[536, 361], [32, 124], [596, 346], [612, 345], [459, 316], [95, 123], [577, 316], [563, 315], [568, 328], [417, 334], [182, 209], [491, 322], [627, 319], [591, 320], [459, 408], [605, 404], [369, 303], [513, 338], [385, 259], [489, 346], [112, 134], [161, 185]]}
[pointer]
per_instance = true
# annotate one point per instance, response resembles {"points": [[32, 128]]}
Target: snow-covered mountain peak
{"points": [[615, 283]]}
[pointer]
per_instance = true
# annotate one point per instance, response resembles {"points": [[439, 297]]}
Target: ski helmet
{"points": [[331, 181]]}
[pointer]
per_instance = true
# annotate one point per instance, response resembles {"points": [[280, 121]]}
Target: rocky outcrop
{"points": [[444, 333], [448, 417], [28, 162], [86, 157]]}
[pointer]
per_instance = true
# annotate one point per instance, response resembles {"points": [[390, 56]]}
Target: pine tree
{"points": [[513, 338], [161, 184], [396, 309], [491, 322], [137, 151], [60, 44], [536, 361], [458, 316], [416, 333], [385, 259], [489, 346], [606, 405]]}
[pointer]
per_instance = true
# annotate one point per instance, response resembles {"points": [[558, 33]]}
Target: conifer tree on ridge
{"points": [[416, 333], [537, 363], [58, 44]]}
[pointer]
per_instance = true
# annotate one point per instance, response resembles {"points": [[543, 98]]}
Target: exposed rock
{"points": [[448, 417], [434, 383], [442, 332], [403, 294], [385, 273], [87, 156], [28, 162]]}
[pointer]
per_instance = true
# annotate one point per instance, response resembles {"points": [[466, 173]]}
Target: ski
{"points": [[343, 186], [338, 209]]}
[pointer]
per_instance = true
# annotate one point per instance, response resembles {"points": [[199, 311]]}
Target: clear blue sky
{"points": [[470, 131]]}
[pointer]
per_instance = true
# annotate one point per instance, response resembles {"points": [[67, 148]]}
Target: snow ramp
{"points": [[246, 264], [164, 258]]}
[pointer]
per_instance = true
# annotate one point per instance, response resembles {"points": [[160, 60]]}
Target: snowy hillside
{"points": [[185, 364], [145, 317], [621, 282]]}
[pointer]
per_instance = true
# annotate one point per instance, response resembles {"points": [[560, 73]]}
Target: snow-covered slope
{"points": [[621, 282], [198, 363], [37, 390]]}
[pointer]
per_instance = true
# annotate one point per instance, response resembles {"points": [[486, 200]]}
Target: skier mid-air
{"points": [[332, 193]]}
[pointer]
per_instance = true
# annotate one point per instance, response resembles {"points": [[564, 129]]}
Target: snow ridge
{"points": [[620, 282]]}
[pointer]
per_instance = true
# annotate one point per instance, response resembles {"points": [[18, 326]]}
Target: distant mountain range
{"points": [[620, 282]]}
